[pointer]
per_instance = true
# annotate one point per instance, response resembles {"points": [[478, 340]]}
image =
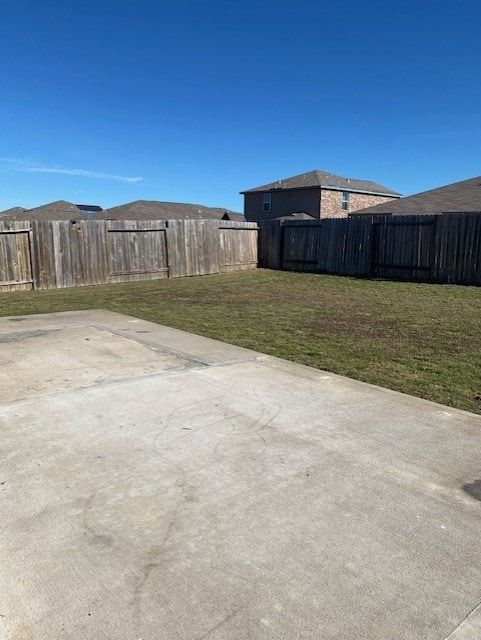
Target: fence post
{"points": [[281, 244], [373, 247], [167, 252], [33, 250]]}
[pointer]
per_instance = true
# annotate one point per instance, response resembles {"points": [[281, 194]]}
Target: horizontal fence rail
{"points": [[65, 253], [56, 254], [432, 248]]}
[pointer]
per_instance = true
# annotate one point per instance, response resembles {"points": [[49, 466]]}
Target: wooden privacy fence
{"points": [[435, 248], [62, 253]]}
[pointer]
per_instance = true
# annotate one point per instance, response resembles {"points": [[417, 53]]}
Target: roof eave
{"points": [[384, 194], [323, 186], [268, 189]]}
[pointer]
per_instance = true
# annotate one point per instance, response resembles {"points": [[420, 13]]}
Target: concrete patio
{"points": [[159, 485]]}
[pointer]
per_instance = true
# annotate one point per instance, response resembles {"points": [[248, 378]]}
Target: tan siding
{"points": [[331, 203], [283, 204]]}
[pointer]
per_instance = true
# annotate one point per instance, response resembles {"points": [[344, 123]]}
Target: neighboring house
{"points": [[459, 197], [154, 210], [316, 193], [139, 210], [59, 210], [14, 211]]}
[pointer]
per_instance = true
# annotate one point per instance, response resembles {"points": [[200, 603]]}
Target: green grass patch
{"points": [[420, 339]]}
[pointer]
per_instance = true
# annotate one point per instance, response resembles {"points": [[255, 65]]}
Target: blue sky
{"points": [[107, 102]]}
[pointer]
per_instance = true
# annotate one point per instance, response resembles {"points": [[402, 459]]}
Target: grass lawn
{"points": [[421, 339]]}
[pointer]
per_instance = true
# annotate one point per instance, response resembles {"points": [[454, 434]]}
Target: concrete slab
{"points": [[156, 484]]}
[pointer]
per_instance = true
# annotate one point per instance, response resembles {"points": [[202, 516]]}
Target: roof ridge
{"points": [[168, 203], [316, 178]]}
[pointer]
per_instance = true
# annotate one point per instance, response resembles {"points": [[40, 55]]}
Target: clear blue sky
{"points": [[108, 101]]}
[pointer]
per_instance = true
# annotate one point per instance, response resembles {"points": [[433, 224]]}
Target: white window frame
{"points": [[345, 200], [266, 203]]}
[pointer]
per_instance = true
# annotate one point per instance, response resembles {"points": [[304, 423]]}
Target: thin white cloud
{"points": [[27, 160], [26, 165], [79, 172]]}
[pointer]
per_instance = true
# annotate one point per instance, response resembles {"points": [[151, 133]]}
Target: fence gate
{"points": [[300, 246], [16, 257], [137, 251], [403, 248], [237, 247]]}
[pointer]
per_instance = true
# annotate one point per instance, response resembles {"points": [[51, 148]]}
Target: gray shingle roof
{"points": [[59, 210], [296, 216], [459, 197], [154, 210], [325, 180], [14, 211], [139, 210]]}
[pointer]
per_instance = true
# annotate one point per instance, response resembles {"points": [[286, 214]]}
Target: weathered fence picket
{"points": [[65, 253], [444, 248], [56, 254], [16, 271]]}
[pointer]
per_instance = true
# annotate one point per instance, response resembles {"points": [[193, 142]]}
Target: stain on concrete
{"points": [[153, 561], [24, 335], [101, 542], [48, 361], [22, 632], [473, 489]]}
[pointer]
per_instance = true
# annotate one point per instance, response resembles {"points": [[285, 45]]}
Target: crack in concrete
{"points": [[219, 624], [153, 561]]}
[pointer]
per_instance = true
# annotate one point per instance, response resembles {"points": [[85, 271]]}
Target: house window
{"points": [[266, 202], [345, 201]]}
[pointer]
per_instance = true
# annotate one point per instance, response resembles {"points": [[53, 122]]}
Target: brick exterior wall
{"points": [[331, 203], [319, 203], [283, 203]]}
